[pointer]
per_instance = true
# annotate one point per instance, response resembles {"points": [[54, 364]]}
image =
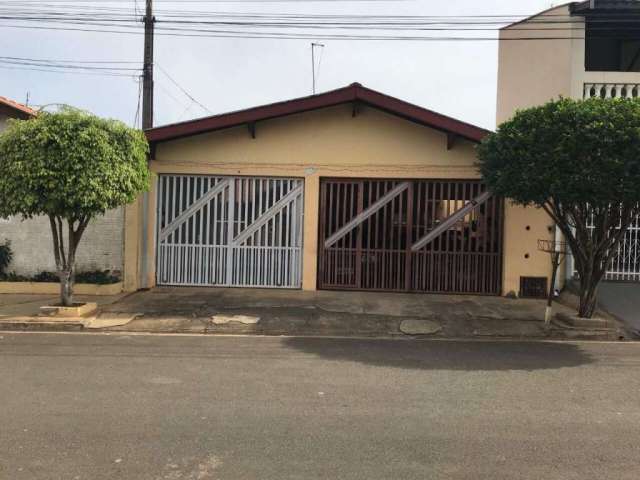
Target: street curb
{"points": [[404, 338], [62, 327], [57, 326]]}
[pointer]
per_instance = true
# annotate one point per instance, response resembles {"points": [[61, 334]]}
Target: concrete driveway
{"points": [[132, 407]]}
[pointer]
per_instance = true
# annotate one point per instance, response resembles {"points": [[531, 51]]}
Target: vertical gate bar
{"points": [[272, 222], [177, 203], [358, 255], [343, 242], [337, 251], [164, 205], [383, 279], [368, 238], [475, 245], [292, 242], [353, 235], [417, 231], [496, 237], [341, 189], [633, 262], [231, 215], [298, 236], [284, 240], [185, 242], [330, 230], [434, 248], [260, 237], [409, 237], [181, 236], [394, 260], [453, 279], [490, 274], [217, 236], [378, 254], [322, 233], [448, 237]]}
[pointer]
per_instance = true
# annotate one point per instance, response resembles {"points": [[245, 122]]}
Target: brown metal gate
{"points": [[441, 236]]}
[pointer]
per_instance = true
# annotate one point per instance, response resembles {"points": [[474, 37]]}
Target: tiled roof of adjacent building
{"points": [[18, 107]]}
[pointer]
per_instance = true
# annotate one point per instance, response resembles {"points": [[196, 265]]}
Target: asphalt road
{"points": [[98, 407]]}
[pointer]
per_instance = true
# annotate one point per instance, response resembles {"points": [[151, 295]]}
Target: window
{"points": [[612, 46]]}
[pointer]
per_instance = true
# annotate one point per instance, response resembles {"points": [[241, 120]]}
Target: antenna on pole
{"points": [[313, 64]]}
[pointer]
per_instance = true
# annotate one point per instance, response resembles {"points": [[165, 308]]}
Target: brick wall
{"points": [[101, 247]]}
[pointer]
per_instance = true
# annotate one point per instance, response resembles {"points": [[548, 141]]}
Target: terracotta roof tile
{"points": [[17, 106]]}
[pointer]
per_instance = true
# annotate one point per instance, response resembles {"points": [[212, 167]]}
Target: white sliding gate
{"points": [[625, 264], [229, 231]]}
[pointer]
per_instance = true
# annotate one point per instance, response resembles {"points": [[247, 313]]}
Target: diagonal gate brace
{"points": [[450, 221], [194, 207], [361, 217], [267, 216]]}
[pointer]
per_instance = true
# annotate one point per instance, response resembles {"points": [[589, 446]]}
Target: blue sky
{"points": [[455, 78]]}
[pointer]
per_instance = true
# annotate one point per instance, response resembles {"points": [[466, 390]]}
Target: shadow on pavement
{"points": [[435, 355]]}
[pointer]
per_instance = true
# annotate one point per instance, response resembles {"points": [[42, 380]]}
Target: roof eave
{"points": [[352, 93]]}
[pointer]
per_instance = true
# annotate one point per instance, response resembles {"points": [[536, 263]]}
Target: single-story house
{"points": [[350, 189]]}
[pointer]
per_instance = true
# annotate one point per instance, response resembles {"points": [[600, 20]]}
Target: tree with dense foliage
{"points": [[579, 160], [70, 166]]}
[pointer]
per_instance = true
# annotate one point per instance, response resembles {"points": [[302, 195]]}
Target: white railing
{"points": [[611, 90]]}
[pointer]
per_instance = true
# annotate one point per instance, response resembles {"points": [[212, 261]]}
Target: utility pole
{"points": [[147, 68], [313, 65], [147, 122]]}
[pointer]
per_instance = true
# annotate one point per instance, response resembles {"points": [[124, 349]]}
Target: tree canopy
{"points": [[70, 164], [579, 160]]}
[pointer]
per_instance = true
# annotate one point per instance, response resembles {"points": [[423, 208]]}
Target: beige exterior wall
{"points": [[323, 143], [530, 73]]}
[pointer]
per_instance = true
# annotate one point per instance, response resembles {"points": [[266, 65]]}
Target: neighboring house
{"points": [[594, 50], [10, 109], [349, 189], [102, 244]]}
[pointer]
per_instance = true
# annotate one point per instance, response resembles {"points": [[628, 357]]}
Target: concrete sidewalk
{"points": [[326, 313], [322, 313]]}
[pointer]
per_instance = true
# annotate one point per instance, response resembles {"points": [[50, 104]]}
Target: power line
{"points": [[49, 60], [203, 33], [35, 69], [182, 89]]}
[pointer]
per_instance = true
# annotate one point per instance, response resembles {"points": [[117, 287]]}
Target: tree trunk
{"points": [[588, 297], [66, 258], [66, 288]]}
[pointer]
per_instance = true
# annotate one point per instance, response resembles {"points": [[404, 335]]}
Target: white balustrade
{"points": [[611, 90]]}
